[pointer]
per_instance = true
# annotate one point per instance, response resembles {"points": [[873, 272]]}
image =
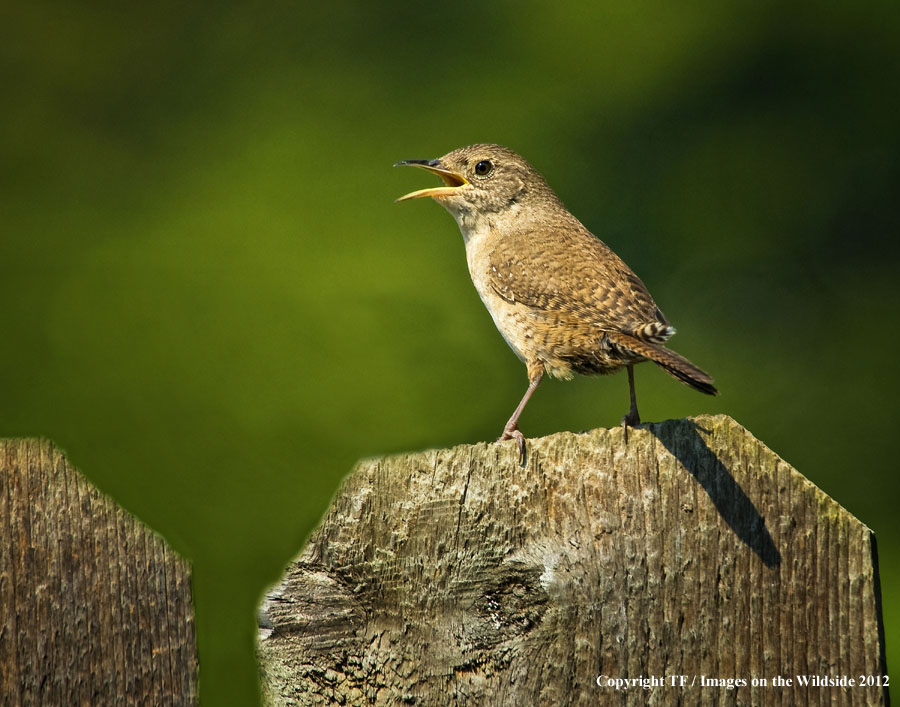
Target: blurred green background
{"points": [[211, 302]]}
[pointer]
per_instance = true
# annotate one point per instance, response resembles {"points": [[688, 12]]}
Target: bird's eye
{"points": [[484, 168]]}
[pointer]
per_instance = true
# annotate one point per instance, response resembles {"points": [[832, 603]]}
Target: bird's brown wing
{"points": [[572, 272]]}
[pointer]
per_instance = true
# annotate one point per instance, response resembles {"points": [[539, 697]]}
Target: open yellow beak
{"points": [[452, 180]]}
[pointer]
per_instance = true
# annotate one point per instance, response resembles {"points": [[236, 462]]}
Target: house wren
{"points": [[564, 302]]}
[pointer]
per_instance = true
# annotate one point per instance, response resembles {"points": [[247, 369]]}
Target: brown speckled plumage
{"points": [[560, 297]]}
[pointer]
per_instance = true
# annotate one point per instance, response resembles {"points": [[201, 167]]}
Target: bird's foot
{"points": [[513, 432], [632, 419]]}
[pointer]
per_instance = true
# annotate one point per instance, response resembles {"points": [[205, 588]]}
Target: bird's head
{"points": [[482, 180]]}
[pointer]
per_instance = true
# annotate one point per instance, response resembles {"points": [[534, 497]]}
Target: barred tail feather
{"points": [[672, 363]]}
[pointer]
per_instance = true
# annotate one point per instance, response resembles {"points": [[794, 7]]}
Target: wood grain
{"points": [[94, 608], [457, 577]]}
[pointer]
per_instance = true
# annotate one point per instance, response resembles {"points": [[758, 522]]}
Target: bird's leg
{"points": [[511, 431], [632, 418]]}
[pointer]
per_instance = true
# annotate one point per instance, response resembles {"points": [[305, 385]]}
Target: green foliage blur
{"points": [[212, 304]]}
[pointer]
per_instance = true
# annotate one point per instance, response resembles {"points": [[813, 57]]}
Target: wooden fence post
{"points": [[690, 561], [94, 608]]}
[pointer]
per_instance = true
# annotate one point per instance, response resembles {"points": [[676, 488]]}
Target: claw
{"points": [[630, 420], [511, 431], [514, 433]]}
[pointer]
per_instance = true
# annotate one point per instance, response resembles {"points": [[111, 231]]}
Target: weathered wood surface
{"points": [[458, 577], [94, 608]]}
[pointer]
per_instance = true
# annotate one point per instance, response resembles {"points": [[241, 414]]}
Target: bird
{"points": [[560, 297]]}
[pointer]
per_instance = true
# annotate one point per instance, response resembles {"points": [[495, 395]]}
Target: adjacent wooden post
{"points": [[690, 560], [94, 608]]}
